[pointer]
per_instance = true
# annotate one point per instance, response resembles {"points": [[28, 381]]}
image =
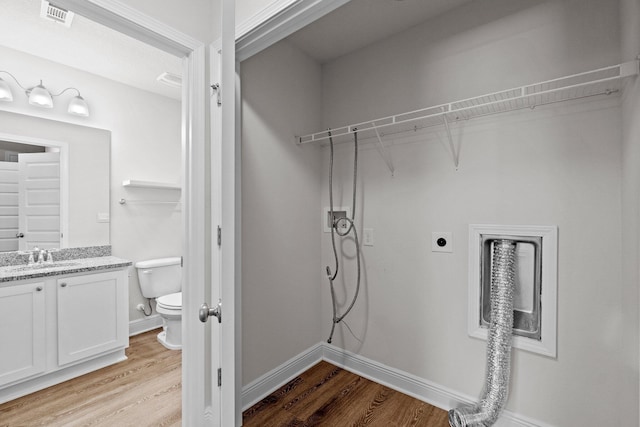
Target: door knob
{"points": [[19, 235], [205, 312]]}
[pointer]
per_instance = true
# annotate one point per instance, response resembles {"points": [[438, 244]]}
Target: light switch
{"points": [[368, 237]]}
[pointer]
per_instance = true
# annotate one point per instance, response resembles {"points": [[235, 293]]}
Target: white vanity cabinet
{"points": [[59, 327], [92, 315], [22, 332]]}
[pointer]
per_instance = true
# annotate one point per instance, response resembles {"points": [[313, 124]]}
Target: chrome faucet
{"points": [[39, 256], [32, 255]]}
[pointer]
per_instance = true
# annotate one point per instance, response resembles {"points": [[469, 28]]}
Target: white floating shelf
{"points": [[603, 81], [150, 184]]}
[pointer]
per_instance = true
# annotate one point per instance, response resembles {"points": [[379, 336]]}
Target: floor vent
{"points": [[57, 14]]}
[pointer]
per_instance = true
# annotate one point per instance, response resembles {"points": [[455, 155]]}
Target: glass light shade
{"points": [[78, 106], [5, 92], [40, 97]]}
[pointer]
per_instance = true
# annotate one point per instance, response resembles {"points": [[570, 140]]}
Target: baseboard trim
{"points": [[427, 391], [64, 374], [139, 326], [258, 389], [434, 394]]}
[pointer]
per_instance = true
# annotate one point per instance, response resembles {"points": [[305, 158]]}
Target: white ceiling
{"points": [[86, 46], [360, 23], [99, 50]]}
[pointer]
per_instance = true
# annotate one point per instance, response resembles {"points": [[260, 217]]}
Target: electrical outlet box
{"points": [[441, 241]]}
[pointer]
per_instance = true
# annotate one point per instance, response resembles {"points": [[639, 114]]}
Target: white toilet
{"points": [[162, 279]]}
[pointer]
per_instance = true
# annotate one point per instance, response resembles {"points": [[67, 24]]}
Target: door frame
{"points": [[278, 20], [127, 20]]}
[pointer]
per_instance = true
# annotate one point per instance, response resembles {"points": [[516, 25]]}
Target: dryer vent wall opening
{"points": [[536, 284]]}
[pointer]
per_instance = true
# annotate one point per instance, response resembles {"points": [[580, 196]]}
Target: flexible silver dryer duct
{"points": [[496, 389]]}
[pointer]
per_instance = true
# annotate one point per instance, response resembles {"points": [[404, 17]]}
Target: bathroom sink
{"points": [[21, 268]]}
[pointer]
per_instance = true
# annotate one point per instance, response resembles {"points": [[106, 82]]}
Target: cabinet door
{"points": [[92, 315], [22, 331]]}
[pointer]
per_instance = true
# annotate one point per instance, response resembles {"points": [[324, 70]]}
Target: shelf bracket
{"points": [[454, 153], [630, 68], [382, 150]]}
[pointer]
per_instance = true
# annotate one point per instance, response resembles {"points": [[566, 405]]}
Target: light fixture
{"points": [[78, 106], [5, 91], [40, 96]]}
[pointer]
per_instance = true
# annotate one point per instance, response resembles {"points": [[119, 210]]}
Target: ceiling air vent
{"points": [[54, 13], [170, 79]]}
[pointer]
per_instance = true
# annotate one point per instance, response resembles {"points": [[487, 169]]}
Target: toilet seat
{"points": [[170, 302]]}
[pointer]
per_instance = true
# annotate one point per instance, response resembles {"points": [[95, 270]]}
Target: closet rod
{"points": [[602, 81]]}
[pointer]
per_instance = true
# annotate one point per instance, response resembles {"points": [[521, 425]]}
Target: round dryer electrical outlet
{"points": [[441, 241]]}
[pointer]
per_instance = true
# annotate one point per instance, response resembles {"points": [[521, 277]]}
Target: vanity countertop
{"points": [[69, 266]]}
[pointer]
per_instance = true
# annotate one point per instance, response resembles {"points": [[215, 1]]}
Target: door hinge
{"points": [[216, 89], [219, 236], [219, 377]]}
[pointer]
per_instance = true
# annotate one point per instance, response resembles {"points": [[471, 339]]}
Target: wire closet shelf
{"points": [[603, 81]]}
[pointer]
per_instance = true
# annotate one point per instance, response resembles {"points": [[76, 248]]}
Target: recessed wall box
{"points": [[338, 212], [526, 300], [535, 293]]}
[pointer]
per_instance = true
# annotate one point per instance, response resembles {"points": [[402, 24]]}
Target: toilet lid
{"points": [[170, 301]]}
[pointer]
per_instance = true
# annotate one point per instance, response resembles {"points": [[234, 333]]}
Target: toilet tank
{"points": [[159, 277]]}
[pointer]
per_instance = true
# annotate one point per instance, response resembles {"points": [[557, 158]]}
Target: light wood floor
{"points": [[146, 390], [326, 395], [143, 391]]}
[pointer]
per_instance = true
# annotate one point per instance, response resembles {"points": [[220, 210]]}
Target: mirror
{"points": [[83, 195]]}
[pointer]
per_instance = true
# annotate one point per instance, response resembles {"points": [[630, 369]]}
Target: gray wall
{"points": [[557, 165], [630, 38], [280, 214]]}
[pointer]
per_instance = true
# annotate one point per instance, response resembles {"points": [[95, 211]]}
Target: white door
{"points": [[225, 283], [8, 206], [39, 200]]}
